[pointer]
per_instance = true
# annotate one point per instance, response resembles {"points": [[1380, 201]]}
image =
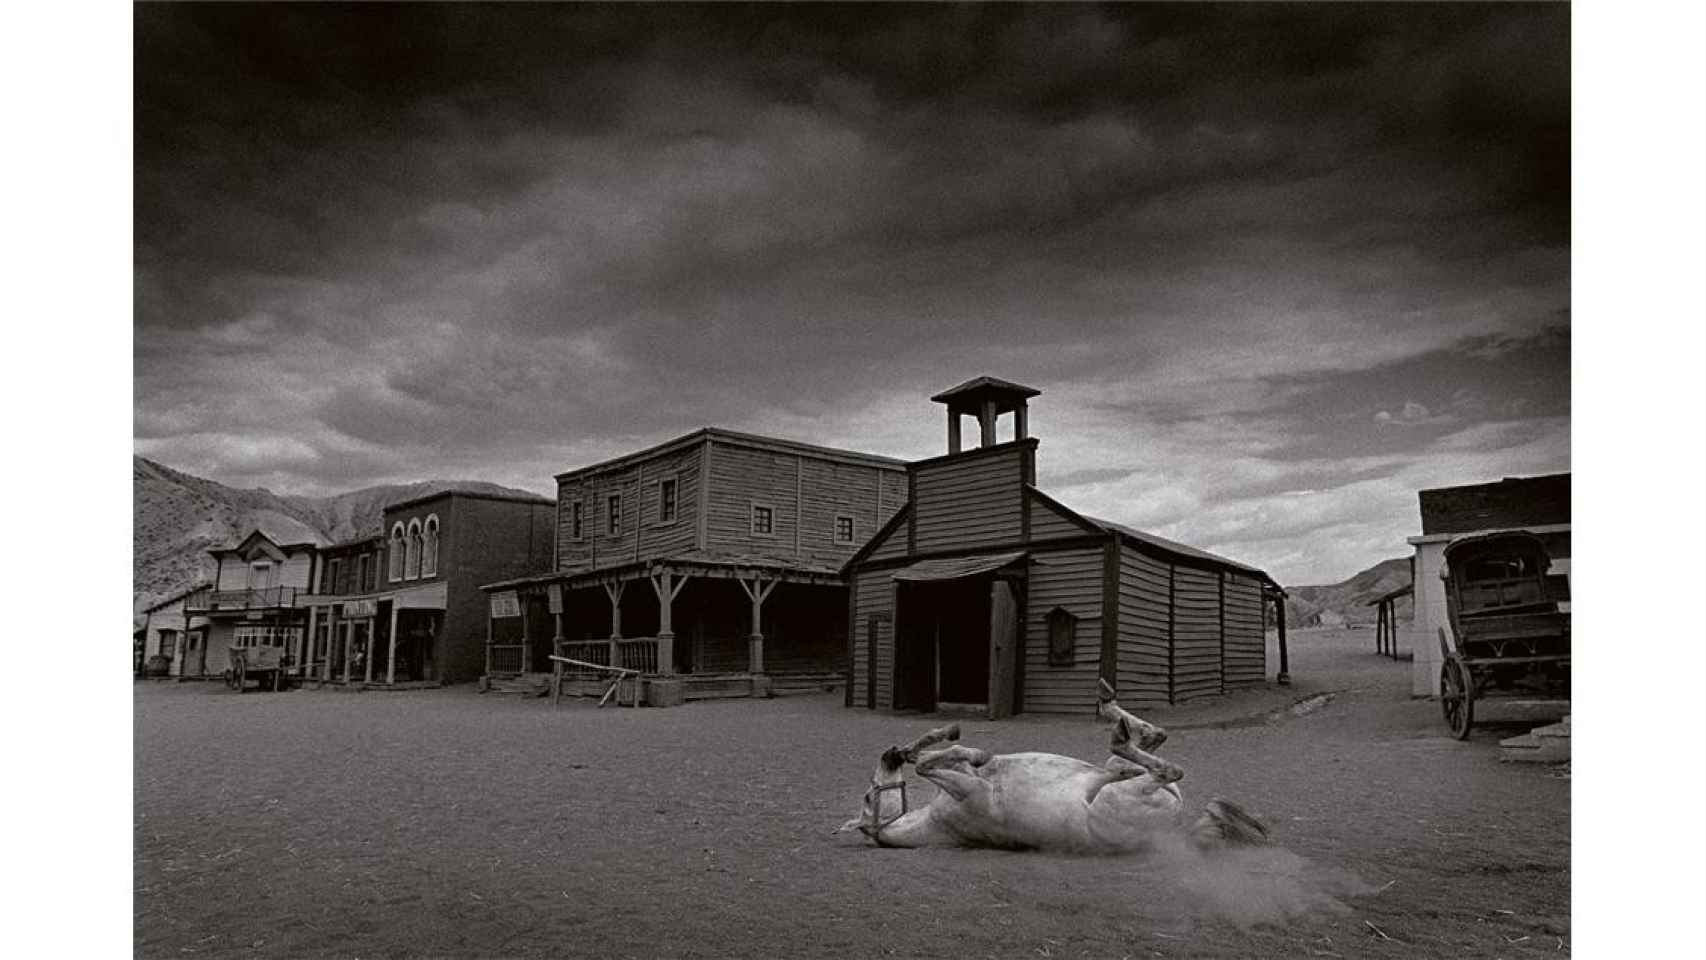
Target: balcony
{"points": [[209, 600]]}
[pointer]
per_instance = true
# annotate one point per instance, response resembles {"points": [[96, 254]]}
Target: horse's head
{"points": [[885, 799]]}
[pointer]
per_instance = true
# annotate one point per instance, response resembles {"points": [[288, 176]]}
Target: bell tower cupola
{"points": [[985, 398]]}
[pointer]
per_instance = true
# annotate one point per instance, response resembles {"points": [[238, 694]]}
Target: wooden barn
{"points": [[984, 593]]}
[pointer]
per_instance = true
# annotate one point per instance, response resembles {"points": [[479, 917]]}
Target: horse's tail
{"points": [[1226, 823]]}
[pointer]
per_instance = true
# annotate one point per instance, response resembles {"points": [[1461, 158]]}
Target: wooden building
{"points": [[1539, 505], [714, 556], [406, 606], [166, 632], [984, 593], [252, 599]]}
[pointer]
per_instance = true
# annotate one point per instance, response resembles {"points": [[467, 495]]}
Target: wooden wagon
{"points": [[262, 659], [1509, 635]]}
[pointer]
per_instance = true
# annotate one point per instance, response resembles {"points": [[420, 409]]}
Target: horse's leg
{"points": [[1149, 736], [1161, 772], [947, 769], [898, 756]]}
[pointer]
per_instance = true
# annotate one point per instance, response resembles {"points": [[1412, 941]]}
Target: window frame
{"points": [[852, 529], [397, 553], [412, 558], [673, 502], [429, 546], [770, 518], [613, 514], [577, 520]]}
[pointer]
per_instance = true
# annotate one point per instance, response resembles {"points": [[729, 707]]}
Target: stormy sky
{"points": [[1273, 268]]}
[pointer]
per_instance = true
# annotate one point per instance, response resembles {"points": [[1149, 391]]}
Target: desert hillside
{"points": [[1309, 606], [177, 517]]}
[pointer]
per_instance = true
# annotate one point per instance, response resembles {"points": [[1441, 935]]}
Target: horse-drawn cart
{"points": [[1509, 634], [262, 659]]}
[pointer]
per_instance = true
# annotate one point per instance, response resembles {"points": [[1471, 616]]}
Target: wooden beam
{"points": [[391, 654]]}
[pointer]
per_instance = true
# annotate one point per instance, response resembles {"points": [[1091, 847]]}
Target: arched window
{"points": [[395, 570], [412, 565], [429, 547]]}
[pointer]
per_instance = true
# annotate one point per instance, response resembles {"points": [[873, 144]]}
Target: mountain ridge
{"points": [[177, 517]]}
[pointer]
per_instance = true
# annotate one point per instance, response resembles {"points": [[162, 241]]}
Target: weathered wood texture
{"points": [[1143, 627], [1072, 580], [1196, 633], [873, 596], [1047, 522], [969, 501], [292, 572], [639, 485], [1246, 644]]}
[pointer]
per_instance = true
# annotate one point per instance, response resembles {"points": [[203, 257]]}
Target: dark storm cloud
{"points": [[377, 242]]}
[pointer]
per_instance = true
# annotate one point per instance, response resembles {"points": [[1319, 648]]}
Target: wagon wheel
{"points": [[239, 676], [1457, 699]]}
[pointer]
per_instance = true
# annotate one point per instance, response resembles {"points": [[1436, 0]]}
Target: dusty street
{"points": [[444, 823]]}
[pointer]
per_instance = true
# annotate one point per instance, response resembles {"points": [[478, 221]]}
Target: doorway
{"points": [[956, 645]]}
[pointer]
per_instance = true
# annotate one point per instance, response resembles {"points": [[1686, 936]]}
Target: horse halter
{"points": [[873, 797]]}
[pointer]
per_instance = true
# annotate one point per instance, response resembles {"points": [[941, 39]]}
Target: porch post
{"points": [[349, 646], [613, 589], [666, 587], [526, 641], [331, 638], [391, 656], [367, 658], [489, 621], [183, 649], [758, 591], [1279, 618], [307, 644]]}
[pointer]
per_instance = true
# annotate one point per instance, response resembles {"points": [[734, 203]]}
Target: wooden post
{"points": [[953, 431], [1019, 421], [986, 424], [303, 649], [1279, 618], [331, 638], [391, 655], [526, 640], [666, 587], [349, 647], [613, 589], [183, 650], [367, 651], [758, 591], [489, 619]]}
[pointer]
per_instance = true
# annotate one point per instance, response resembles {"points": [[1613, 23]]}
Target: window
{"points": [[397, 551], [666, 501], [613, 513], [412, 558], [260, 574], [843, 529], [575, 532], [1062, 637], [429, 547], [763, 520], [333, 571], [364, 573]]}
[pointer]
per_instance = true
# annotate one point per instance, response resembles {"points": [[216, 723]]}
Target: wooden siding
{"points": [[639, 484], [892, 545], [293, 572], [830, 489], [1143, 643], [1196, 633], [741, 477], [970, 501], [1071, 579], [1246, 642], [874, 596], [1048, 523], [893, 494]]}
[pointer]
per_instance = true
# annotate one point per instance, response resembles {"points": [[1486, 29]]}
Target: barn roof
{"points": [[1172, 546]]}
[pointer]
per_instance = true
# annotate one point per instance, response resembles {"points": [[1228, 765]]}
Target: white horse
{"points": [[1044, 801]]}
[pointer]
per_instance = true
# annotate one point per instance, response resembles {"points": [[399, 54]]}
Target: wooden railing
{"points": [[638, 654], [506, 658], [587, 651], [208, 598]]}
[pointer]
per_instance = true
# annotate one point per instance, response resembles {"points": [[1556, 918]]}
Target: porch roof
{"points": [[955, 568], [692, 563]]}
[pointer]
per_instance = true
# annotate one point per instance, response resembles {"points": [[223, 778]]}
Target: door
{"points": [[1003, 649]]}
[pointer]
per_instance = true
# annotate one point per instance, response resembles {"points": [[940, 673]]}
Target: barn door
{"points": [[1003, 648]]}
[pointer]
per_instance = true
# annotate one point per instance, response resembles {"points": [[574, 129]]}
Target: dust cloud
{"points": [[1243, 885]]}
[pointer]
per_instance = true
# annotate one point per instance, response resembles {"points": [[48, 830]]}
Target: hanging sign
{"points": [[505, 604], [554, 597], [361, 608]]}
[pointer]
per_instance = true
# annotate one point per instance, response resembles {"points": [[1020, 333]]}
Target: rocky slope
{"points": [[178, 517], [1307, 606]]}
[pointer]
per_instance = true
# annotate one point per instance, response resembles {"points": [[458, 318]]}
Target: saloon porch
{"points": [[691, 627]]}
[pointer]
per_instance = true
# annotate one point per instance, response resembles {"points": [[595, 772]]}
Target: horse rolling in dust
{"points": [[1044, 801]]}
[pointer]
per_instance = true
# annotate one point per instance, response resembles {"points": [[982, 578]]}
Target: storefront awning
{"points": [[956, 568]]}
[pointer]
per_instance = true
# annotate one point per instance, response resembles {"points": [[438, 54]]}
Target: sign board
{"points": [[505, 604], [554, 596], [355, 609]]}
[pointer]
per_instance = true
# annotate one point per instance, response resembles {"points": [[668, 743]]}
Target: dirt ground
{"points": [[448, 824]]}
